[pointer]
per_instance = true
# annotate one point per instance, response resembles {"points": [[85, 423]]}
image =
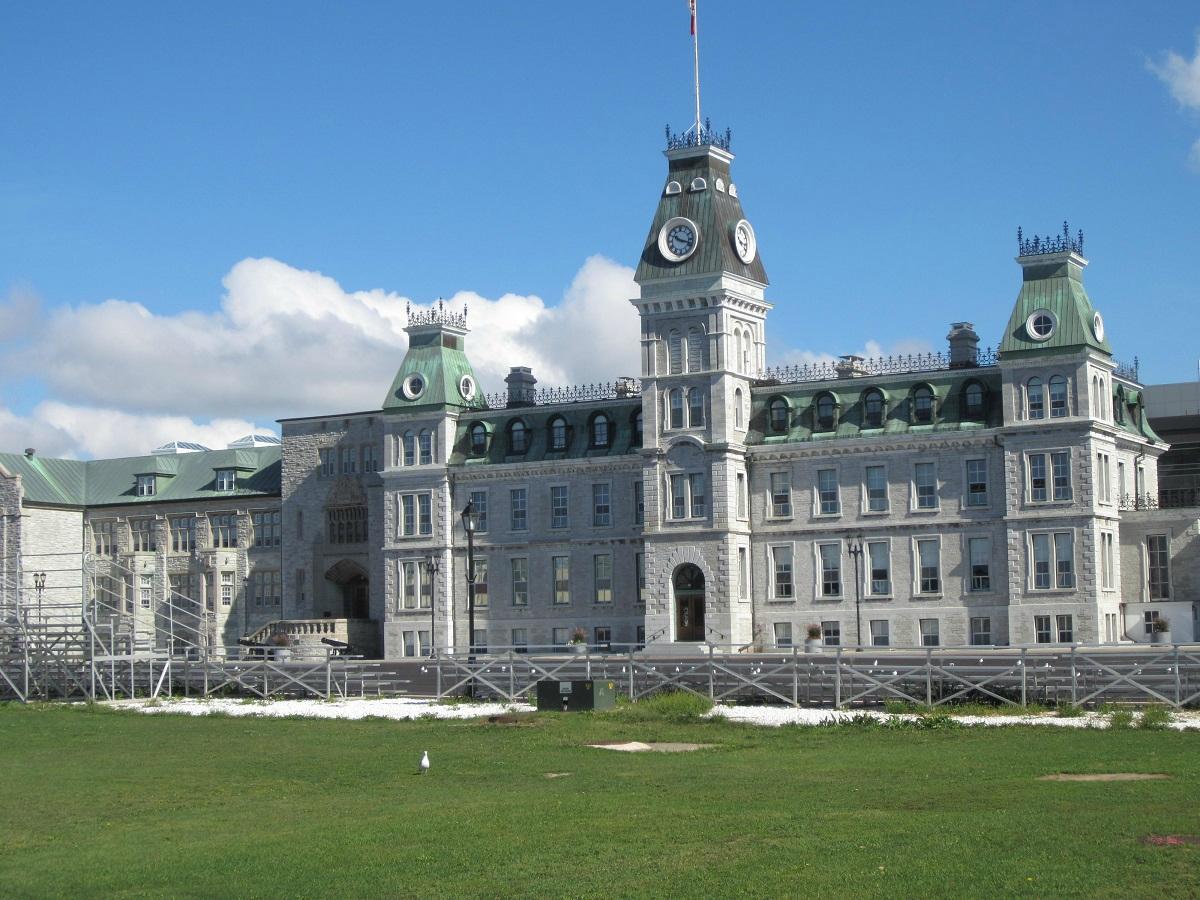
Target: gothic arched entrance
{"points": [[689, 603], [354, 586]]}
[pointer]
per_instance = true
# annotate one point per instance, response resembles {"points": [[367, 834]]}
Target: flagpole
{"points": [[696, 59]]}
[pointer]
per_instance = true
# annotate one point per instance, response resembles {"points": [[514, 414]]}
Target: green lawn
{"points": [[100, 803]]}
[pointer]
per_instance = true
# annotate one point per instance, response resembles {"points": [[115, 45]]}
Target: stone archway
{"points": [[687, 583], [355, 588]]}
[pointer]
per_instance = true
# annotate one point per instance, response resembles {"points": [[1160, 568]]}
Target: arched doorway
{"points": [[689, 603], [355, 588]]}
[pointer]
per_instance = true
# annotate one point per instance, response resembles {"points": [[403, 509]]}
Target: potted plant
{"points": [[812, 639], [578, 642], [1160, 631], [281, 641]]}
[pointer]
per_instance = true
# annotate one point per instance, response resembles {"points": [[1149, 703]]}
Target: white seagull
{"points": [[424, 762]]}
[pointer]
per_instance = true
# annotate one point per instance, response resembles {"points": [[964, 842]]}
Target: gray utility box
{"points": [[572, 696]]}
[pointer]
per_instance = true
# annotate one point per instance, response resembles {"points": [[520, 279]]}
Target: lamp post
{"points": [[469, 522], [431, 570], [856, 552], [39, 585]]}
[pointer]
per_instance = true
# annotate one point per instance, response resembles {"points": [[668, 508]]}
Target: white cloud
{"points": [[285, 342], [1181, 75], [871, 350]]}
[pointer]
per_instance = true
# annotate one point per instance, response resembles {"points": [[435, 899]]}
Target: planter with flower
{"points": [[578, 642]]}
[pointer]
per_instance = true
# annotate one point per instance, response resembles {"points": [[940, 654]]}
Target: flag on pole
{"points": [[692, 10]]}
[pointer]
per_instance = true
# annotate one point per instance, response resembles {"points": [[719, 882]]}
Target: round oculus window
{"points": [[466, 387], [1040, 324], [413, 386], [744, 241], [1098, 326], [677, 239]]}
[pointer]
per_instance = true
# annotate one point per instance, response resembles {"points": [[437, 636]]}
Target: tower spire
{"points": [[696, 62]]}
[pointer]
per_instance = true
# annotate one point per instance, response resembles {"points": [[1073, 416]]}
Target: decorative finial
{"points": [[1040, 246]]}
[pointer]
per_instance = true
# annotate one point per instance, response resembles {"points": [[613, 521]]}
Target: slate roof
{"points": [[107, 482], [537, 419]]}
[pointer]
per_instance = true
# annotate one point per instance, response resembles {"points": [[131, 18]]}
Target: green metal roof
{"points": [[715, 214], [106, 482], [1054, 282], [437, 356], [537, 419]]}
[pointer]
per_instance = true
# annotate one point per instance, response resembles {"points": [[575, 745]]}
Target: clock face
{"points": [[678, 238], [744, 241]]}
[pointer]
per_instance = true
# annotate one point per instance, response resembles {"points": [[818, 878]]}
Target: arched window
{"points": [[739, 359], [478, 438], [922, 406], [1058, 397], [747, 350], [1035, 398], [973, 400], [779, 414], [410, 448], [558, 433], [675, 352], [695, 408], [425, 445], [825, 413], [518, 437], [873, 409], [600, 430], [637, 428], [1094, 397], [675, 404], [737, 408], [695, 350]]}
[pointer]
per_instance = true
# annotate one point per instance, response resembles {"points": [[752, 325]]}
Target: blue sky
{"points": [[886, 155]]}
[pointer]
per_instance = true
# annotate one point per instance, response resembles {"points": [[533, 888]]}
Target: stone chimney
{"points": [[964, 345], [29, 451], [521, 386]]}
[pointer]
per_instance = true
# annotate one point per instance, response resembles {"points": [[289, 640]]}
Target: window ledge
{"points": [[875, 512], [781, 601]]}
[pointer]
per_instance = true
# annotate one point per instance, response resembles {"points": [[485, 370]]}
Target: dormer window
{"points": [[600, 431], [873, 409], [146, 485], [779, 414], [973, 400], [478, 439], [673, 187], [826, 413], [637, 429], [226, 479], [558, 433], [922, 406], [699, 184], [518, 437]]}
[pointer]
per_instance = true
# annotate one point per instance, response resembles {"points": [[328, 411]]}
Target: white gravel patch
{"points": [[355, 708], [775, 716]]}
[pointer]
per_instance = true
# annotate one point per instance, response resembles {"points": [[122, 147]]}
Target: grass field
{"points": [[101, 803]]}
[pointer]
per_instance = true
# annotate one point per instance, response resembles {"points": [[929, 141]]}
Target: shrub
{"points": [[1120, 718], [813, 632], [673, 705], [1155, 718], [1069, 711]]}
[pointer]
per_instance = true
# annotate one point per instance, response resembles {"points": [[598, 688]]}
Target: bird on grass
{"points": [[424, 762]]}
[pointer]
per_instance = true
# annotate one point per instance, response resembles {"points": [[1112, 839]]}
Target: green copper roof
{"points": [[435, 355], [105, 482], [537, 419], [1052, 282], [715, 213]]}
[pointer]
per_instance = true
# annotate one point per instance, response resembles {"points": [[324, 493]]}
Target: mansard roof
{"points": [[578, 418]]}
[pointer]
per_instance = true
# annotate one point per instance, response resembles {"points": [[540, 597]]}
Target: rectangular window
{"points": [[520, 581], [226, 479], [479, 505], [881, 576], [831, 569], [425, 446], [518, 500], [640, 637], [481, 583], [1110, 628], [1149, 618], [370, 458], [1064, 559], [560, 637], [1158, 566], [831, 633], [146, 590], [640, 561], [479, 644], [783, 634], [601, 505], [781, 494], [1041, 562], [520, 640], [880, 633], [1058, 571], [1041, 630], [1066, 629], [929, 569], [979, 552], [1061, 462], [981, 631], [410, 591], [143, 535], [699, 496], [146, 485], [602, 570], [678, 496], [410, 643], [328, 462], [1037, 477], [416, 516], [930, 636], [267, 588], [224, 530], [925, 484], [560, 516], [103, 539], [977, 486], [409, 447], [183, 534], [740, 484], [829, 503], [877, 489], [1106, 560], [1103, 472], [346, 524], [782, 565], [426, 588], [602, 636], [408, 514], [562, 581], [226, 588], [743, 573], [349, 457], [695, 408], [268, 528], [639, 503], [1120, 481]]}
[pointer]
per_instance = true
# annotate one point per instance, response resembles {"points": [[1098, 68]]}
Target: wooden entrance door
{"points": [[689, 603]]}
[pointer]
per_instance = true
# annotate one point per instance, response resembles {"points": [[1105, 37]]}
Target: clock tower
{"points": [[703, 317]]}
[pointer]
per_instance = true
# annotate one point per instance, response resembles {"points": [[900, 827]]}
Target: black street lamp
{"points": [[469, 523], [39, 585], [856, 552], [431, 570]]}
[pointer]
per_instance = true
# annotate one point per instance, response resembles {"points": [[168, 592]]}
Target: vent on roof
{"points": [[254, 440], [179, 447]]}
